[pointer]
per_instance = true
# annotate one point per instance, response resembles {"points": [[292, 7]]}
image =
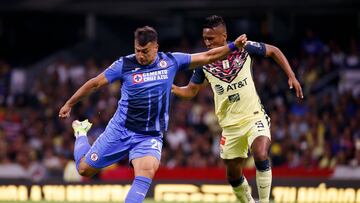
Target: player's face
{"points": [[145, 55], [214, 37]]}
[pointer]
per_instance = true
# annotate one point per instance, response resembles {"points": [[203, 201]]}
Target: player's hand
{"points": [[240, 41], [294, 83], [173, 88], [65, 111]]}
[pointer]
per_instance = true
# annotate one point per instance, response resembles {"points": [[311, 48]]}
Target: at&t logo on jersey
{"points": [[219, 89], [234, 86], [138, 78]]}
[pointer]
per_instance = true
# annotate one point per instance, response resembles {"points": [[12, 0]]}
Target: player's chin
{"points": [[143, 63]]}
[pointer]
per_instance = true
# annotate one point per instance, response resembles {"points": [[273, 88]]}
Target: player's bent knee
{"points": [[233, 168], [260, 148], [260, 155], [233, 174], [148, 171], [86, 170], [145, 166]]}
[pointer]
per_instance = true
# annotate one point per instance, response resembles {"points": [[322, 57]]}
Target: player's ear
{"points": [[225, 35], [157, 46]]}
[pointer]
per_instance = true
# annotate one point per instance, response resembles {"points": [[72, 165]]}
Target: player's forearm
{"points": [[217, 53], [89, 87], [210, 56], [184, 92], [280, 58]]}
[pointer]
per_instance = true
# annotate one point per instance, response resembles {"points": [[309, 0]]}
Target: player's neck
{"points": [[150, 63]]}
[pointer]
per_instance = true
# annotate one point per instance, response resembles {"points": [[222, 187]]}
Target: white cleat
{"points": [[81, 127]]}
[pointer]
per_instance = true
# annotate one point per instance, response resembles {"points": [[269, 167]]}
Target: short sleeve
{"points": [[183, 60], [257, 48], [198, 76], [114, 71]]}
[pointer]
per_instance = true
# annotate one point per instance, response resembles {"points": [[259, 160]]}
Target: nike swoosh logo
{"points": [[263, 187], [141, 193]]}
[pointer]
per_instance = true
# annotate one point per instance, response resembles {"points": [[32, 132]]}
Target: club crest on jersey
{"points": [[137, 78], [226, 64], [163, 64]]}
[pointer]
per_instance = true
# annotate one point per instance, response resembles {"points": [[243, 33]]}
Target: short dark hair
{"points": [[144, 35], [214, 21]]}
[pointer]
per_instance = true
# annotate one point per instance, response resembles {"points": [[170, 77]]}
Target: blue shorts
{"points": [[117, 142]]}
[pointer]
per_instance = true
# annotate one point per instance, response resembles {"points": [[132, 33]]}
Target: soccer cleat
{"points": [[81, 127]]}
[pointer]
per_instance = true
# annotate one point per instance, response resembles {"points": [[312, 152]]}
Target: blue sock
{"points": [[138, 190], [81, 147]]}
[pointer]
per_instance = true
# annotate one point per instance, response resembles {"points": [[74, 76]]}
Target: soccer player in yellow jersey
{"points": [[241, 116]]}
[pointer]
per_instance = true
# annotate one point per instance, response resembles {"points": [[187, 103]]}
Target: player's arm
{"points": [[189, 91], [86, 89], [276, 54], [186, 92], [203, 58]]}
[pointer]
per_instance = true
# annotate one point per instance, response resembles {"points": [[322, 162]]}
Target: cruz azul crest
{"points": [[227, 70]]}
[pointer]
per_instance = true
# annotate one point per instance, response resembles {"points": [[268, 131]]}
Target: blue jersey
{"points": [[145, 91]]}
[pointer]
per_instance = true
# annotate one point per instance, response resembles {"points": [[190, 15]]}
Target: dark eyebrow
{"points": [[141, 49]]}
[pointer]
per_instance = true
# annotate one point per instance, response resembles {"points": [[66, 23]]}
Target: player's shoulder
{"points": [[171, 56], [199, 69], [128, 60], [127, 63], [128, 57], [166, 59], [253, 47], [163, 54], [253, 43], [176, 54]]}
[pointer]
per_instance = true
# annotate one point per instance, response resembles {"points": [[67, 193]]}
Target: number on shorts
{"points": [[156, 144], [259, 124]]}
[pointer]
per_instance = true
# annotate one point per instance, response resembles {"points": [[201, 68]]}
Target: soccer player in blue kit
{"points": [[137, 127]]}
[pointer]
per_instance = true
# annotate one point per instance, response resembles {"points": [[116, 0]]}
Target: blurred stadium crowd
{"points": [[321, 131]]}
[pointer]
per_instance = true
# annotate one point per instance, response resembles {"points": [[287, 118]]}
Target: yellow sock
{"points": [[243, 192], [263, 182]]}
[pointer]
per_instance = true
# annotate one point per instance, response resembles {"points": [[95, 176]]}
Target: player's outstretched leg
{"points": [[260, 149], [145, 169], [82, 145], [239, 184]]}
